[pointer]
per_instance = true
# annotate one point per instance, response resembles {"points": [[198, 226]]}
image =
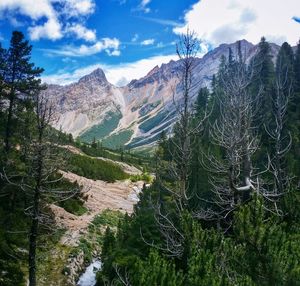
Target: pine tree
{"points": [[3, 54], [297, 69], [294, 111], [20, 78], [262, 84], [278, 128], [156, 271], [94, 143], [201, 101]]}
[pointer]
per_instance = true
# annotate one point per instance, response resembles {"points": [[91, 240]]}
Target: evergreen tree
{"points": [[94, 143], [201, 101], [278, 129], [262, 82], [70, 138], [156, 271], [231, 236], [285, 66], [297, 69], [3, 54], [294, 111], [21, 81]]}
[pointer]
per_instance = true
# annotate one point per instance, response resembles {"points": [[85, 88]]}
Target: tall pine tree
{"points": [[20, 77], [262, 83], [294, 108]]}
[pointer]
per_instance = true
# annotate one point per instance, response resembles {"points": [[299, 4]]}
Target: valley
{"points": [[110, 200], [186, 175], [134, 115]]}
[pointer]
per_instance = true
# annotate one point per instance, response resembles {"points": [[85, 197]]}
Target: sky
{"points": [[127, 38]]}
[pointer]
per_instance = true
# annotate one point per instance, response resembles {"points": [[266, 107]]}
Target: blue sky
{"points": [[127, 38]]}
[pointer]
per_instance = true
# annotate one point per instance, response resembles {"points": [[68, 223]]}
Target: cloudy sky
{"points": [[127, 38]]}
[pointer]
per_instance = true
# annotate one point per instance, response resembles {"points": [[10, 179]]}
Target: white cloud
{"points": [[135, 38], [53, 16], [51, 30], [165, 22], [143, 6], [118, 75], [161, 45], [82, 32], [115, 53], [227, 21], [40, 8], [80, 7], [148, 42], [110, 46]]}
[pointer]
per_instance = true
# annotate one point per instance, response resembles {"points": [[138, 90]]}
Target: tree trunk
{"points": [[8, 123], [36, 213], [33, 240]]}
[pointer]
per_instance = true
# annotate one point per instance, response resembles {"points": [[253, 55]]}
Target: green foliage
{"points": [[271, 252], [156, 271], [11, 273], [95, 169], [19, 76], [103, 129], [142, 177], [117, 140], [87, 249], [255, 246], [74, 206], [125, 156], [107, 218]]}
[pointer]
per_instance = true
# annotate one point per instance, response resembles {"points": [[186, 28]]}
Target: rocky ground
{"points": [[98, 195]]}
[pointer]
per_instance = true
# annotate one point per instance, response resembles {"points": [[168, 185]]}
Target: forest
{"points": [[223, 208]]}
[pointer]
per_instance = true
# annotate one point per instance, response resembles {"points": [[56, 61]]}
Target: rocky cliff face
{"points": [[137, 113], [85, 103]]}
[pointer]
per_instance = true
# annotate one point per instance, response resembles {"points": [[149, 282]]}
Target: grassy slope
{"points": [[95, 169], [103, 129], [118, 140]]}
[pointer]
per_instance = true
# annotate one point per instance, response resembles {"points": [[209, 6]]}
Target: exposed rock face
{"points": [[85, 103], [145, 106]]}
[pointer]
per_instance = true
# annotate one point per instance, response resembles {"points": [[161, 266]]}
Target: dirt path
{"points": [[99, 195]]}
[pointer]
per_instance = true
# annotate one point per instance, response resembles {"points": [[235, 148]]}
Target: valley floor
{"points": [[62, 266], [98, 196]]}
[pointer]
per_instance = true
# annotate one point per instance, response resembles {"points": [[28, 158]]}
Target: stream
{"points": [[88, 278]]}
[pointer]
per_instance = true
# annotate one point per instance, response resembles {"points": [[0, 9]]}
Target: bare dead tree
{"points": [[184, 133], [233, 177], [46, 160], [41, 173], [279, 134], [40, 180], [124, 279]]}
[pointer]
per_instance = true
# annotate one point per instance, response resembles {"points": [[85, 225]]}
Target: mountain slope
{"points": [[137, 113]]}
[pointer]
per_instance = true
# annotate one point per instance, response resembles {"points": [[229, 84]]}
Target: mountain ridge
{"points": [[135, 114]]}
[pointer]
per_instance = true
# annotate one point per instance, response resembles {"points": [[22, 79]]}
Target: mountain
{"points": [[136, 114]]}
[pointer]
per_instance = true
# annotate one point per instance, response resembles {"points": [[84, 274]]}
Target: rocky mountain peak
{"points": [[142, 108], [153, 71], [97, 75]]}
